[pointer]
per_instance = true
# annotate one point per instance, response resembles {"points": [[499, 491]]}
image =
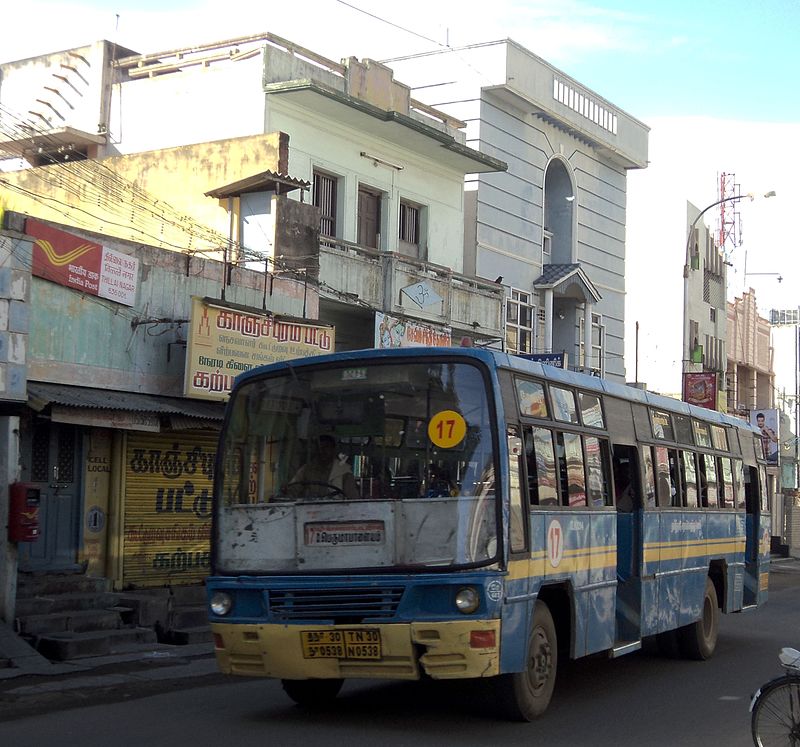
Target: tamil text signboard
{"points": [[225, 341], [77, 263], [393, 332]]}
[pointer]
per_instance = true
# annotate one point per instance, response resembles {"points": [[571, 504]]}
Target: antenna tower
{"points": [[729, 224]]}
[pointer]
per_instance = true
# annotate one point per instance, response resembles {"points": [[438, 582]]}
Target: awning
{"points": [[266, 181], [103, 408], [567, 280]]}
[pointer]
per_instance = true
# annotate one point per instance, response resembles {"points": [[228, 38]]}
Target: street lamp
{"points": [[687, 266]]}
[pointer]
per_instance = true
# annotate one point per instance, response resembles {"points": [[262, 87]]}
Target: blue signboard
{"points": [[559, 360]]}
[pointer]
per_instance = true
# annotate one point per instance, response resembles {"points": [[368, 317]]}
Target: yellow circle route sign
{"points": [[447, 429]]}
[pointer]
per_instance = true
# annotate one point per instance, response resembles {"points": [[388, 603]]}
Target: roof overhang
{"points": [[266, 181], [123, 410], [567, 280], [50, 140], [408, 132]]}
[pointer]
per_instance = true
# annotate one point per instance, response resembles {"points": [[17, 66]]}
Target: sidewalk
{"points": [[39, 686]]}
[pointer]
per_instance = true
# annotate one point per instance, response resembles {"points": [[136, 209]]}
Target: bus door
{"points": [[628, 498], [757, 535]]}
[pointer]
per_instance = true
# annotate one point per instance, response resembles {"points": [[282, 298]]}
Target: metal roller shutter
{"points": [[167, 517]]}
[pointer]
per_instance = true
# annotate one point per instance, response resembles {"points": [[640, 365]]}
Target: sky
{"points": [[715, 81]]}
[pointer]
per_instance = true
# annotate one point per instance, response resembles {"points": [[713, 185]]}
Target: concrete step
{"points": [[48, 584], [73, 600], [189, 636], [72, 620], [68, 646]]}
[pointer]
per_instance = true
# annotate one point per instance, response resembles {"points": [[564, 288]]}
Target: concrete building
{"points": [[385, 171], [705, 316], [551, 228]]}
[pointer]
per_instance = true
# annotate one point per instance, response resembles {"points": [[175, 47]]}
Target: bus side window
{"points": [[689, 474], [676, 486], [725, 476], [596, 472], [541, 462], [576, 475], [665, 486], [709, 474], [738, 477], [649, 477]]}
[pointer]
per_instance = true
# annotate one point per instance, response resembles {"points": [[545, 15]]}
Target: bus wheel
{"points": [[699, 639], [311, 693], [525, 695]]}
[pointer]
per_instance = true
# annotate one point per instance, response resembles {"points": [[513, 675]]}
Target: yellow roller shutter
{"points": [[167, 517]]}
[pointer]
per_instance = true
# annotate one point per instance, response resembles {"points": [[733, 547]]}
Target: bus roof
{"points": [[497, 359]]}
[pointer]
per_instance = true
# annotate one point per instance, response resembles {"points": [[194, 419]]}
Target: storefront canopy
{"points": [[125, 410]]}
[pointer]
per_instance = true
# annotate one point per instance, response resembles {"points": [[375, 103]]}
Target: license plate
{"points": [[355, 643]]}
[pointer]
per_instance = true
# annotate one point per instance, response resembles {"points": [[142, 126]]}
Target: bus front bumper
{"points": [[443, 650]]}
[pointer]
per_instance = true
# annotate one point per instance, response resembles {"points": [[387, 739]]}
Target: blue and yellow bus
{"points": [[482, 516]]}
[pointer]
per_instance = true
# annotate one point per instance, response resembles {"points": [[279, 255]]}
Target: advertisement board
{"points": [[394, 332], [700, 389], [225, 340], [768, 423]]}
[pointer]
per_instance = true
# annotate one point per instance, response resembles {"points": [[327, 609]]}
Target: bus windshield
{"points": [[357, 467]]}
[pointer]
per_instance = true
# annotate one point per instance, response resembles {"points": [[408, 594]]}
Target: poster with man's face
{"points": [[767, 422]]}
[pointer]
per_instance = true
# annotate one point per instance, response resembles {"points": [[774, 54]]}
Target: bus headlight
{"points": [[221, 603], [467, 600]]}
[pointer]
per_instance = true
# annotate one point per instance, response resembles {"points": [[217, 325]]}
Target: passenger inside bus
{"points": [[324, 473]]}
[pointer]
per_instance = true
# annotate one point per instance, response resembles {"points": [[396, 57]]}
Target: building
{"points": [[751, 391], [705, 316], [551, 228]]}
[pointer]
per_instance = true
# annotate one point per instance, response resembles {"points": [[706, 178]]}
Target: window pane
{"points": [[541, 467], [702, 437], [576, 480], [591, 411], [719, 437], [689, 478], [649, 477], [711, 481], [596, 482], [662, 425], [532, 400], [726, 493], [564, 408]]}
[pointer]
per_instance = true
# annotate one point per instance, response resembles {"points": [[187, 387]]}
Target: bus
{"points": [[509, 516]]}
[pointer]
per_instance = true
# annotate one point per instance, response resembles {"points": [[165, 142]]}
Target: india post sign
{"points": [[224, 341], [69, 260]]}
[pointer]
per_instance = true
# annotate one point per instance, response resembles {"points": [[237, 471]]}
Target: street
{"points": [[638, 699]]}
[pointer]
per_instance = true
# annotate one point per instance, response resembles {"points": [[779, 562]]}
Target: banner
{"points": [[225, 341], [71, 261], [393, 332], [700, 389], [559, 360], [768, 423]]}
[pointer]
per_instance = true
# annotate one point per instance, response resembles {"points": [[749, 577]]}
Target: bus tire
{"points": [[312, 693], [699, 639], [525, 695]]}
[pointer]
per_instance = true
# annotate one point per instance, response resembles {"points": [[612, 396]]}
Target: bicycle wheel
{"points": [[776, 714]]}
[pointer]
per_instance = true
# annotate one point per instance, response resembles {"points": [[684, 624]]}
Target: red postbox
{"points": [[23, 512]]}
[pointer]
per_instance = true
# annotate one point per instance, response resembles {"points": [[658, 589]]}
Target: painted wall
{"points": [[83, 340], [337, 149]]}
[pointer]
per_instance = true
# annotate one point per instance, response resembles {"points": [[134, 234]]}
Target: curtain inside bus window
{"points": [[576, 477], [541, 464], [689, 475], [649, 477]]}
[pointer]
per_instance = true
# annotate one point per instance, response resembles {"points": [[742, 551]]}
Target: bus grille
{"points": [[354, 604]]}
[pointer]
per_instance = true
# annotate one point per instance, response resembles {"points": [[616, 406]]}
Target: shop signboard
{"points": [[83, 265], [226, 340], [394, 332]]}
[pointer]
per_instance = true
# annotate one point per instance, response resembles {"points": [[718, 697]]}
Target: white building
{"points": [[551, 228]]}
